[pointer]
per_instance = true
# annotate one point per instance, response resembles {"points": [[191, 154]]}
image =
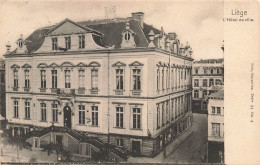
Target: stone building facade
{"points": [[206, 73], [215, 141], [119, 80]]}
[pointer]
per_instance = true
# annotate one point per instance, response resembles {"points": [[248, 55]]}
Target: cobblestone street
{"points": [[195, 146]]}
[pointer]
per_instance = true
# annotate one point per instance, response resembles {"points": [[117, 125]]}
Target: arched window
{"points": [[127, 36], [211, 71]]}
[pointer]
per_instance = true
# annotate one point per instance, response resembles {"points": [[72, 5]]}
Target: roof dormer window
{"points": [[54, 43], [127, 36], [20, 44]]}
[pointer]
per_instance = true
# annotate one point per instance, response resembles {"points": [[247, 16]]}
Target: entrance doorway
{"points": [[136, 147], [67, 116]]}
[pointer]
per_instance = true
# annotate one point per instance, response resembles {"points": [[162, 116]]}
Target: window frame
{"points": [[43, 107], [55, 111], [94, 115], [81, 41], [68, 42], [119, 78], [67, 76], [43, 78], [135, 116], [27, 109], [54, 79], [94, 78], [82, 114], [119, 117], [16, 108], [54, 42]]}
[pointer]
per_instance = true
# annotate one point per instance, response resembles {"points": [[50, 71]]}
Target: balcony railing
{"points": [[81, 91], [119, 92], [136, 92], [65, 91], [94, 91]]}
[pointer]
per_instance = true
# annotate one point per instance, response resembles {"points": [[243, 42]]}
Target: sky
{"points": [[197, 22]]}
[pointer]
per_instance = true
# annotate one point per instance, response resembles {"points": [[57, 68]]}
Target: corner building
{"points": [[119, 80], [206, 73]]}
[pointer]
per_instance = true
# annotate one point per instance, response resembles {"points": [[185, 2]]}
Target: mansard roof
{"points": [[110, 28]]}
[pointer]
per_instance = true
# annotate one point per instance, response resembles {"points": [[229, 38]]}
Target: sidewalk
{"points": [[169, 149]]}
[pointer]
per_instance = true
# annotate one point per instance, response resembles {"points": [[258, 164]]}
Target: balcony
{"points": [[53, 90], [65, 91]]}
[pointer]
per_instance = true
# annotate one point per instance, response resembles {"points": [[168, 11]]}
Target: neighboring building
{"points": [[2, 92], [216, 127], [119, 80], [206, 73]]}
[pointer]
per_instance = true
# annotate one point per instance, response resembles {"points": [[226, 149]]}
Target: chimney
{"points": [[139, 16]]}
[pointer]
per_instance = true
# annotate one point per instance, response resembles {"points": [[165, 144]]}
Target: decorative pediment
{"points": [[42, 65], [67, 64], [15, 66], [69, 27], [26, 66], [54, 65], [81, 64], [128, 37], [136, 63], [94, 64], [118, 64]]}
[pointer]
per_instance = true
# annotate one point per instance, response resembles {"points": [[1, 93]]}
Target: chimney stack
{"points": [[139, 16]]}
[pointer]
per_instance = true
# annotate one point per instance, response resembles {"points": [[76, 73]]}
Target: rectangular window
{"points": [[94, 79], [216, 129], [67, 42], [136, 118], [167, 112], [16, 109], [137, 79], [213, 110], [167, 79], [119, 142], [162, 79], [158, 79], [94, 115], [27, 109], [119, 117], [196, 71], [205, 71], [204, 93], [81, 78], [54, 78], [55, 112], [205, 82], [43, 111], [163, 114], [196, 82], [54, 43], [81, 114], [196, 94], [15, 78], [218, 111], [26, 79], [43, 78], [82, 41], [119, 79], [67, 79], [158, 116]]}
